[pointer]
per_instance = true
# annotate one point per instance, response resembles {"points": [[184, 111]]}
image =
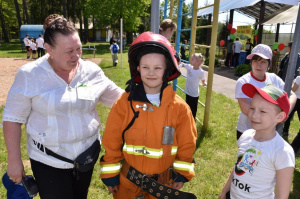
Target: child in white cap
{"points": [[260, 60], [264, 158]]}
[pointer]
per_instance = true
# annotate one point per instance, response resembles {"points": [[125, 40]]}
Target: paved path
{"points": [[224, 81]]}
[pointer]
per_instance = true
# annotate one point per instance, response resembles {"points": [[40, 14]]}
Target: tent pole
{"points": [[261, 18], [277, 32], [292, 64]]}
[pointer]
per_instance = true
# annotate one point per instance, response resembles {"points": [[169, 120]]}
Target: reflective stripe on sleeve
{"points": [[174, 150], [184, 166], [110, 168]]}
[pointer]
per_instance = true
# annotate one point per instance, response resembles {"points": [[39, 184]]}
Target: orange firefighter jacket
{"points": [[143, 148]]}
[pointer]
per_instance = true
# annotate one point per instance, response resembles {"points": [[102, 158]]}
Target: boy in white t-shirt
{"points": [[40, 46], [194, 75], [264, 158], [27, 45]]}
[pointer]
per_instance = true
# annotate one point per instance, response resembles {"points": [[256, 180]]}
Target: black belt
{"points": [[156, 189]]}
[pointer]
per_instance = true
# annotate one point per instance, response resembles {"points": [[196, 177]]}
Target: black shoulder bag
{"points": [[84, 162]]}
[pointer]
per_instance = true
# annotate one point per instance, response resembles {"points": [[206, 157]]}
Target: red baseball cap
{"points": [[270, 93]]}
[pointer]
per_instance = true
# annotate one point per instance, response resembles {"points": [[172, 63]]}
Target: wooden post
{"points": [[261, 18]]}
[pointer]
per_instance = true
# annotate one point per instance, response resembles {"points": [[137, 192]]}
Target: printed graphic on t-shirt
{"points": [[250, 160]]}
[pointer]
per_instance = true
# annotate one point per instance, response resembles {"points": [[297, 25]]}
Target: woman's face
{"points": [[259, 67], [66, 52]]}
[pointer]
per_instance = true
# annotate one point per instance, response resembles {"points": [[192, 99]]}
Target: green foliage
{"points": [[217, 63], [242, 69], [109, 15], [222, 33]]}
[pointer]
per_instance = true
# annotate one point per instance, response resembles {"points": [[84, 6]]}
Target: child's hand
{"points": [[178, 185], [113, 190]]}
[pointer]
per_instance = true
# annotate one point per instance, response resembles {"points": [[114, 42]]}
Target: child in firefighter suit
{"points": [[150, 134]]}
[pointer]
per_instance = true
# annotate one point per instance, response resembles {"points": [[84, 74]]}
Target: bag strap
{"points": [[51, 153]]}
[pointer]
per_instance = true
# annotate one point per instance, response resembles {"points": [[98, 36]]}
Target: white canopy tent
{"points": [[226, 5], [285, 16]]}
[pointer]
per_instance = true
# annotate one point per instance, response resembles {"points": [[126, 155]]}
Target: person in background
{"points": [[237, 50], [285, 63], [260, 59], [249, 47], [265, 161], [124, 41], [27, 45], [114, 49], [111, 39], [56, 97], [33, 48], [182, 50], [150, 131], [167, 28], [40, 46], [229, 56], [286, 127], [194, 75]]}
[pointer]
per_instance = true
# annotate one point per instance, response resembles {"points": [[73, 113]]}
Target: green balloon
{"points": [[256, 31], [232, 36], [275, 46]]}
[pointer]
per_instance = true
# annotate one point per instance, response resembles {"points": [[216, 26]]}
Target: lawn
{"points": [[216, 149]]}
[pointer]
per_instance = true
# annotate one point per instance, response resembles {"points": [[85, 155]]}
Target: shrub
{"points": [[242, 69], [217, 63]]}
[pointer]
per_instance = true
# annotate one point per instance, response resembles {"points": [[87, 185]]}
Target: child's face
{"points": [[259, 67], [263, 115], [152, 68], [195, 61]]}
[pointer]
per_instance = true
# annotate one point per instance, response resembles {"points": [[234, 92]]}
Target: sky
{"points": [[242, 20]]}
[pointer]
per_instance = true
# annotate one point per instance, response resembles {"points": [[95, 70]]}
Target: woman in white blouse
{"points": [[55, 97]]}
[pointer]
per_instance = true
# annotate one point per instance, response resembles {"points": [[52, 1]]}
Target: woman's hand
{"points": [[15, 170]]}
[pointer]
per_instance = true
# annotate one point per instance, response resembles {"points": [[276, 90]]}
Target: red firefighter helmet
{"points": [[149, 42]]}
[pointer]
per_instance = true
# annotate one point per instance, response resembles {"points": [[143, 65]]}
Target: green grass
{"points": [[216, 149]]}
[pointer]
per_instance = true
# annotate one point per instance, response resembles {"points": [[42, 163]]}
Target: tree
{"points": [[25, 12], [131, 11], [18, 12], [3, 25]]}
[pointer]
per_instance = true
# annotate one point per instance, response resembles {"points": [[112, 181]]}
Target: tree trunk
{"points": [[64, 8], [86, 25], [4, 31], [129, 37], [94, 29], [25, 10], [80, 21], [86, 29], [18, 13]]}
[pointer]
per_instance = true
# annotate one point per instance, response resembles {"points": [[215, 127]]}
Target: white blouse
{"points": [[62, 117]]}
